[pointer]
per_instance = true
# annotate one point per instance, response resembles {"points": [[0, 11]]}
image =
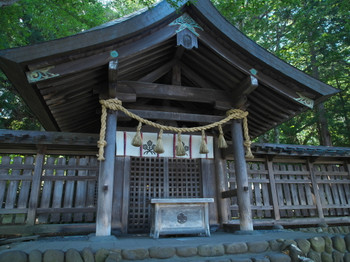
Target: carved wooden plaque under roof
{"points": [[188, 66]]}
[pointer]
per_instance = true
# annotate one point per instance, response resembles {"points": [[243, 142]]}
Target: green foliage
{"points": [[125, 7], [14, 114], [32, 21], [312, 35]]}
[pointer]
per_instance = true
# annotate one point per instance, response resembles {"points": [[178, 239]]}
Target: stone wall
{"points": [[328, 245], [334, 246]]}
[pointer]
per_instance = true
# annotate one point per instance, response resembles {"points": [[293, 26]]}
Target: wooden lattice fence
{"points": [[36, 189], [285, 189], [49, 181]]}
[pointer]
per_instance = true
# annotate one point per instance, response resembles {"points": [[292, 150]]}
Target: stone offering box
{"points": [[179, 216]]}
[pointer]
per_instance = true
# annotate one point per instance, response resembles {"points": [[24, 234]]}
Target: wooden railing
{"points": [[47, 189], [48, 182], [284, 190]]}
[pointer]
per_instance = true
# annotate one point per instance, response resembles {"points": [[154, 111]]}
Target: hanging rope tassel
{"points": [[115, 104], [159, 148], [222, 142], [137, 140], [203, 148], [247, 142], [180, 149]]}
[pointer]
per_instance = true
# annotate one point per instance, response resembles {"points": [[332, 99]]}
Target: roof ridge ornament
{"points": [[186, 22], [186, 34], [304, 100]]}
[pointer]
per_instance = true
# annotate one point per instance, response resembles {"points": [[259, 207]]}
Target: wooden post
{"points": [[209, 190], [276, 209], [315, 189], [34, 194], [244, 207], [106, 176], [222, 185]]}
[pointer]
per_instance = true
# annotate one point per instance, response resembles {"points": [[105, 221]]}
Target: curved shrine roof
{"points": [[184, 68]]}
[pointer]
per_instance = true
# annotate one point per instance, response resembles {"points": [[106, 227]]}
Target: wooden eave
{"points": [[226, 70]]}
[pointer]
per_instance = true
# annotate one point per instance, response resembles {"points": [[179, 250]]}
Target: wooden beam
{"points": [[100, 59], [229, 193], [295, 221], [47, 138], [47, 229], [240, 93], [173, 116], [178, 93]]}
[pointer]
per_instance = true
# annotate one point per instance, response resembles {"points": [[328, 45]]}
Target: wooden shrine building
{"points": [[183, 69]]}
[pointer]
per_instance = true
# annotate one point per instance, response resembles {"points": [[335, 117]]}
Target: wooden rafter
{"points": [[158, 73], [103, 58], [244, 67]]}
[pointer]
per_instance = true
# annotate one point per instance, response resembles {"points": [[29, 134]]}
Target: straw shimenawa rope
{"points": [[116, 104]]}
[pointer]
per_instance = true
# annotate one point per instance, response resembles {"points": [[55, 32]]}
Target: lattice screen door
{"points": [[159, 178]]}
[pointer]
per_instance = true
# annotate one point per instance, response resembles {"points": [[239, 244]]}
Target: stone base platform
{"points": [[316, 244]]}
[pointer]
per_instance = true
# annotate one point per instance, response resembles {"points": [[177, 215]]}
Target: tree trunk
{"points": [[344, 112], [324, 134], [322, 123]]}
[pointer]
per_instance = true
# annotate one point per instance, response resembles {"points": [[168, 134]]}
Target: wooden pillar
{"points": [[222, 185], [106, 176], [244, 206], [209, 189]]}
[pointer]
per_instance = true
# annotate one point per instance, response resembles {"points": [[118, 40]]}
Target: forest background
{"points": [[312, 35]]}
